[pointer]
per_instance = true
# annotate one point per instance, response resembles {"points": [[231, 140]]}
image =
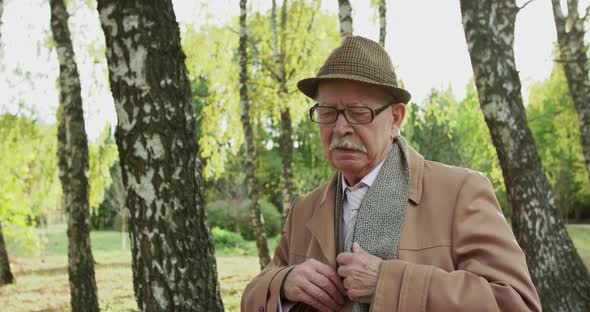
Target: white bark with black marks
{"points": [[250, 160], [556, 268], [573, 55], [6, 276], [279, 44], [73, 166], [345, 16], [1, 13], [5, 273], [174, 267]]}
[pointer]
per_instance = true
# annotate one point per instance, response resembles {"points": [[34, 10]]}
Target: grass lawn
{"points": [[581, 238], [42, 281]]}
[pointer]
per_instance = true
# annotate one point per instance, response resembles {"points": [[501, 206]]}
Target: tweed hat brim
{"points": [[309, 86], [357, 59]]}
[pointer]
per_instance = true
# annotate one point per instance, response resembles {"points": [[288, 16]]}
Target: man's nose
{"points": [[341, 126]]}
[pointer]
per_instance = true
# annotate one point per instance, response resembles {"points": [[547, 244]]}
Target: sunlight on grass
{"points": [[42, 282], [48, 289]]}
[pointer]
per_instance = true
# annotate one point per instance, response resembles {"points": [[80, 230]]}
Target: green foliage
{"points": [[227, 242], [101, 157], [31, 190], [434, 126], [109, 214], [555, 126], [213, 66], [477, 149], [28, 176], [234, 215], [311, 166], [455, 133], [213, 72]]}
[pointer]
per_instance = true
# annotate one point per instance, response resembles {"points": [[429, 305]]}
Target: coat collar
{"points": [[321, 224]]}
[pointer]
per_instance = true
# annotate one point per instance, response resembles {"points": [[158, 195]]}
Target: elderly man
{"points": [[390, 231]]}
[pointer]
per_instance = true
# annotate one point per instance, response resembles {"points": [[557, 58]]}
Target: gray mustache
{"points": [[344, 143]]}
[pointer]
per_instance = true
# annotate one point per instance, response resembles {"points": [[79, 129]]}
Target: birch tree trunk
{"points": [[573, 55], [73, 165], [556, 269], [382, 21], [5, 273], [173, 261], [249, 166], [1, 13], [287, 158], [286, 136], [345, 16]]}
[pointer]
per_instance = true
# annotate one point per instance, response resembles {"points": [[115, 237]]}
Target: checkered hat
{"points": [[358, 59]]}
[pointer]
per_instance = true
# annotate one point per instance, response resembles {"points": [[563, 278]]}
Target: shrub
{"points": [[234, 215]]}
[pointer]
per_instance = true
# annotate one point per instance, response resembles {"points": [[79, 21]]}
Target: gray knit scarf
{"points": [[382, 211]]}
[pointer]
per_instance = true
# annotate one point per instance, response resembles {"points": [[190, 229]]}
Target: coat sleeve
{"points": [[263, 292], [490, 274]]}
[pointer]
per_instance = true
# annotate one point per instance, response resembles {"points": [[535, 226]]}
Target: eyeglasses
{"points": [[353, 114]]}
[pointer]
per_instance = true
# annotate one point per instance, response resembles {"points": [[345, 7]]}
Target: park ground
{"points": [[42, 281]]}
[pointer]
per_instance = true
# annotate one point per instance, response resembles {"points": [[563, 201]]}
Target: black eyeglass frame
{"points": [[374, 113]]}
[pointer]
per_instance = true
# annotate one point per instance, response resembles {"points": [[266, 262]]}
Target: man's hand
{"points": [[315, 284], [359, 271]]}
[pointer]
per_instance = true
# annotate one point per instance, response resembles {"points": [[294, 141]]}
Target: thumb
{"points": [[356, 248]]}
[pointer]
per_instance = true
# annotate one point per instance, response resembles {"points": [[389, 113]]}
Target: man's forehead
{"points": [[347, 91]]}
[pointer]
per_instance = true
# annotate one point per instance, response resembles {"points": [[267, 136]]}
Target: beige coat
{"points": [[456, 251]]}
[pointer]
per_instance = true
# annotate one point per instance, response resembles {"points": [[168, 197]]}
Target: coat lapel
{"points": [[321, 223], [416, 172]]}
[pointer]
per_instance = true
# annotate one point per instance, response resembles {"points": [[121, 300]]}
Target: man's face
{"points": [[376, 137]]}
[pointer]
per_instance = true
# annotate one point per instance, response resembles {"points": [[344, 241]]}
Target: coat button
{"points": [[261, 309]]}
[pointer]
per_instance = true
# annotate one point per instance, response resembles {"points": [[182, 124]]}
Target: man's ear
{"points": [[398, 112]]}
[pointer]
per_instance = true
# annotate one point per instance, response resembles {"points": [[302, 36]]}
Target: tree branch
{"points": [[306, 48], [264, 63], [525, 4], [558, 16], [585, 17]]}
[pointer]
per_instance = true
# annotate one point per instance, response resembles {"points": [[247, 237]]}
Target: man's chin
{"points": [[346, 164]]}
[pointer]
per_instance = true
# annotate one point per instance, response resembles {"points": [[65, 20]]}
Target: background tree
{"points": [[296, 55], [102, 158], [280, 39], [263, 254], [573, 56], [382, 21], [5, 273], [73, 166], [431, 126], [222, 139], [345, 16], [556, 269], [172, 252], [554, 122]]}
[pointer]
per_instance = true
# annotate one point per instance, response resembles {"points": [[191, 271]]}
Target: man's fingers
{"points": [[332, 276], [337, 281], [344, 271], [325, 284], [320, 296], [345, 258]]}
